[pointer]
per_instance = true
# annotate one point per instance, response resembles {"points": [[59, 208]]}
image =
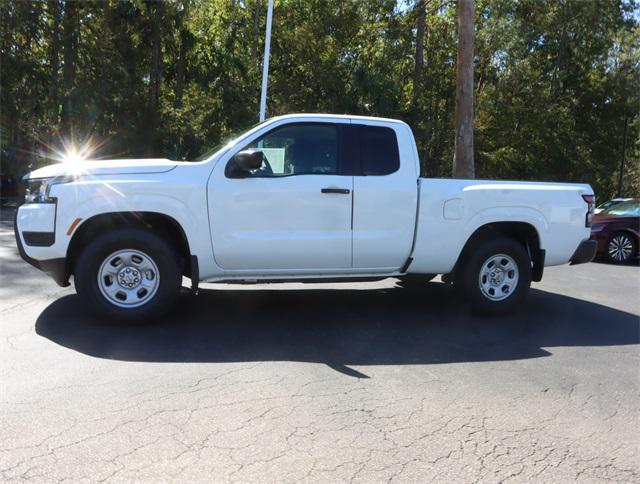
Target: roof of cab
{"points": [[342, 116]]}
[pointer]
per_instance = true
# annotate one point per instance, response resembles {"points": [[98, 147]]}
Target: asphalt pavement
{"points": [[366, 382]]}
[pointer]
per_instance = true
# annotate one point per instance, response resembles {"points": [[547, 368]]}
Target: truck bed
{"points": [[450, 211]]}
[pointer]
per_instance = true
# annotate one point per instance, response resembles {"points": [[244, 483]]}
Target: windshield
{"points": [[624, 209], [608, 204], [207, 154]]}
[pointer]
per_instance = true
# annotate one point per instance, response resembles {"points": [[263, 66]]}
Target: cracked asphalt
{"points": [[366, 382]]}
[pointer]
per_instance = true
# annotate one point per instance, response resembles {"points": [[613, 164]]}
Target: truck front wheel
{"points": [[128, 274], [494, 276]]}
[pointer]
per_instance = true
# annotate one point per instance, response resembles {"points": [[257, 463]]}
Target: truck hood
{"points": [[104, 167]]}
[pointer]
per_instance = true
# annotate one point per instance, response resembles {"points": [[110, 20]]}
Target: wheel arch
{"points": [[154, 221], [523, 232]]}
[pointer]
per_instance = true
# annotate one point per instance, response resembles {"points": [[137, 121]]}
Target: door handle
{"points": [[342, 191]]}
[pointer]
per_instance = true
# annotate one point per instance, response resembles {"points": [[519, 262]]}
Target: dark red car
{"points": [[617, 231]]}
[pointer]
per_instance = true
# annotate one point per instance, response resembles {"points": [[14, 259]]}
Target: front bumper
{"points": [[585, 252], [56, 268]]}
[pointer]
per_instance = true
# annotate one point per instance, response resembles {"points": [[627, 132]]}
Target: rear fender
{"points": [[527, 215], [440, 242]]}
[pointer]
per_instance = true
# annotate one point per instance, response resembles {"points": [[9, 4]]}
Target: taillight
{"points": [[591, 202]]}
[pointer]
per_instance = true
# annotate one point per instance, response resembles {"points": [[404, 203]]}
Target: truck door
{"points": [[294, 213], [385, 197]]}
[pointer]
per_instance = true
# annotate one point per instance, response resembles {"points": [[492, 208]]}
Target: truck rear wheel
{"points": [[494, 275], [128, 274]]}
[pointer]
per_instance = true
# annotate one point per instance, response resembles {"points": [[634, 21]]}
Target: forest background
{"points": [[557, 83]]}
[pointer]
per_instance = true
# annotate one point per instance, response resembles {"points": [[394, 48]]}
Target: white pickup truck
{"points": [[304, 197]]}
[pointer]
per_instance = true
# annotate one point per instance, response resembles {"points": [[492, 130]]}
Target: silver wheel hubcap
{"points": [[620, 247], [498, 277], [128, 278]]}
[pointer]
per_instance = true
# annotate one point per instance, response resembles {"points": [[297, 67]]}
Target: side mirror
{"points": [[248, 160]]}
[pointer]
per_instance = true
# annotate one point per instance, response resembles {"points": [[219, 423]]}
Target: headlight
{"points": [[597, 227], [37, 190]]}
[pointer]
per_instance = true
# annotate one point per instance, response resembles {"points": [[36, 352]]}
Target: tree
{"points": [[421, 13], [53, 7], [184, 41], [256, 31], [554, 81], [70, 44], [155, 74], [463, 161]]}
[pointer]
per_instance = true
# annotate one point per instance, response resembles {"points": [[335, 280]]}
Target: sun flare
{"points": [[73, 157], [73, 152]]}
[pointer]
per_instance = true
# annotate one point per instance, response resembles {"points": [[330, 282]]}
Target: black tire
{"points": [[618, 240], [467, 279], [91, 259]]}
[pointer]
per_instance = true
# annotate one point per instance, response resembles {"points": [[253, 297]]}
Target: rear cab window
{"points": [[379, 154]]}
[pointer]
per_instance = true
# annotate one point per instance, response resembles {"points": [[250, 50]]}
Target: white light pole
{"points": [[265, 64]]}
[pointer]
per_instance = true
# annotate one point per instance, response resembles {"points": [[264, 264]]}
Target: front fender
{"points": [[185, 204]]}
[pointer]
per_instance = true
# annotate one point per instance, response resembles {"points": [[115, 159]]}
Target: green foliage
{"points": [[558, 88], [555, 81]]}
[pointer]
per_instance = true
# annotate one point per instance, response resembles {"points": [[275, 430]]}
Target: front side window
{"points": [[298, 149]]}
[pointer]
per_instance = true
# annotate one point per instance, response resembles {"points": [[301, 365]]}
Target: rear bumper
{"points": [[585, 252], [600, 238], [55, 268]]}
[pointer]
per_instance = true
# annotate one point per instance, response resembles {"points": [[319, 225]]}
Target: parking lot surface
{"points": [[361, 382]]}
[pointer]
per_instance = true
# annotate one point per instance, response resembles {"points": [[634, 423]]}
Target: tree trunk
{"points": [[70, 44], [54, 59], [182, 56], [155, 73], [463, 164], [421, 11]]}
